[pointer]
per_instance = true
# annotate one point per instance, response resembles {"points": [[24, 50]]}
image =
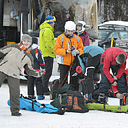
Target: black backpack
{"points": [[72, 101]]}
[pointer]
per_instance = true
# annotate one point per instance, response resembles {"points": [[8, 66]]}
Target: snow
{"points": [[31, 119]]}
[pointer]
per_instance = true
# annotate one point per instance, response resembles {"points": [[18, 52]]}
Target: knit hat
{"points": [[50, 19], [27, 37], [34, 40]]}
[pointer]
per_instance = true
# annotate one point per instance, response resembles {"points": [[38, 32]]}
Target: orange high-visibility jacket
{"points": [[62, 44]]}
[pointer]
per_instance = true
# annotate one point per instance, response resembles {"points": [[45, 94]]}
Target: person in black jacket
{"points": [[38, 63]]}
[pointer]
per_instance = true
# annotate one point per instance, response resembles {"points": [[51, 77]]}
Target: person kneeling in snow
{"points": [[115, 59], [12, 59]]}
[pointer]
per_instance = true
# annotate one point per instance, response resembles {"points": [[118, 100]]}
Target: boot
{"points": [[16, 114], [31, 97], [41, 97], [102, 98]]}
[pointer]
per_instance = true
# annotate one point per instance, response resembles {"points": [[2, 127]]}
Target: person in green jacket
{"points": [[47, 43]]}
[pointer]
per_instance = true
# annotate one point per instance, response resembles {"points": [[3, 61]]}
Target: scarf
{"points": [[24, 48]]}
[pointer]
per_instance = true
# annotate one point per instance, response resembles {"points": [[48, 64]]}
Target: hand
{"points": [[119, 96], [75, 52], [40, 73], [115, 83], [68, 50], [115, 78]]}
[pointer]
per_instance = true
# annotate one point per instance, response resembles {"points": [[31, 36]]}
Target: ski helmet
{"points": [[70, 25], [82, 24]]}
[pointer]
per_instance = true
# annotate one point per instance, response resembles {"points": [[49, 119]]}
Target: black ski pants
{"points": [[105, 85], [74, 80], [48, 72], [92, 67], [35, 81]]}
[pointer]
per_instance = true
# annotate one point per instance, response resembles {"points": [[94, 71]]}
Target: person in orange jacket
{"points": [[68, 45]]}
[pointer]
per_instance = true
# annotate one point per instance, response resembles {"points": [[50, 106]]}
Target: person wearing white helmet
{"points": [[67, 46], [80, 31]]}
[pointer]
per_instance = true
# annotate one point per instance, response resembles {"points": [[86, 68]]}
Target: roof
{"points": [[122, 23], [114, 25]]}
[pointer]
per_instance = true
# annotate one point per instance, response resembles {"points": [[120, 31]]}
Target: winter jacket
{"points": [[92, 51], [47, 41], [62, 44], [85, 38], [108, 59], [13, 59], [38, 60]]}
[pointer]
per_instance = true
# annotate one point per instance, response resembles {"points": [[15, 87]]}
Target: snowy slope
{"points": [[92, 119]]}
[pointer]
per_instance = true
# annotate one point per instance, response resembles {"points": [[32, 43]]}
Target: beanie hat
{"points": [[27, 37], [34, 40], [50, 19]]}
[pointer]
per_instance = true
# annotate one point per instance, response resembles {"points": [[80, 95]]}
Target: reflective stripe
{"points": [[63, 41], [78, 39], [87, 69]]}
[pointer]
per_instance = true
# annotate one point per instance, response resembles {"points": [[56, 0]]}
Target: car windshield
{"points": [[102, 34]]}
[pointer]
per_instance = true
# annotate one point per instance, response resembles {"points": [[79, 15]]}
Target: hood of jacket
{"points": [[46, 25]]}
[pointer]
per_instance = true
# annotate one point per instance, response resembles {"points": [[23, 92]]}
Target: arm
{"points": [[29, 67], [58, 47], [41, 60], [80, 47], [48, 38], [121, 70], [106, 68]]}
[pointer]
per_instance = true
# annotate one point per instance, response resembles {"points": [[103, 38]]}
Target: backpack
{"points": [[75, 102], [72, 101]]}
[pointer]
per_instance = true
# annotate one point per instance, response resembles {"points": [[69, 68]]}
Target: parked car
{"points": [[123, 44], [118, 30]]}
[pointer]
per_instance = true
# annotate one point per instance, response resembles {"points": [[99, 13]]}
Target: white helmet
{"points": [[82, 24], [70, 25]]}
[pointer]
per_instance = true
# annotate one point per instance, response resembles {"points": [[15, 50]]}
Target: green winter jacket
{"points": [[47, 40]]}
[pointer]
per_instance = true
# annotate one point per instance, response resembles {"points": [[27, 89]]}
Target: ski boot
{"points": [[102, 98]]}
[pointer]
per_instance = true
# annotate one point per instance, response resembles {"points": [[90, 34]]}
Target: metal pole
{"points": [[1, 22]]}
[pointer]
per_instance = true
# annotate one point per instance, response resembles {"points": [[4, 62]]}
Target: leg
{"points": [[104, 84], [91, 67], [2, 78], [48, 73], [39, 86], [30, 84], [74, 83], [63, 73], [122, 85], [14, 90]]}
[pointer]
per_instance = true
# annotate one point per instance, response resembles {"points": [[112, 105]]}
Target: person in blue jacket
{"points": [[90, 62]]}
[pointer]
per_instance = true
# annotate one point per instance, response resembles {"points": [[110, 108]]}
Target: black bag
{"points": [[75, 102], [53, 88], [72, 101]]}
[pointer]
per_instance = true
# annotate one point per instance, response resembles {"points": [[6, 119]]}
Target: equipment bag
{"points": [[33, 105], [72, 101], [107, 108], [75, 102]]}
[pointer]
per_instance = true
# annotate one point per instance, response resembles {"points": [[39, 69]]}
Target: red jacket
{"points": [[108, 59]]}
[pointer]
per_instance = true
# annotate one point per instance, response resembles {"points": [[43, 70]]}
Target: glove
{"points": [[119, 96], [40, 73], [114, 88], [75, 52], [114, 83]]}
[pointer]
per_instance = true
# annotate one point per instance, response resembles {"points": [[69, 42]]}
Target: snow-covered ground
{"points": [[30, 119]]}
